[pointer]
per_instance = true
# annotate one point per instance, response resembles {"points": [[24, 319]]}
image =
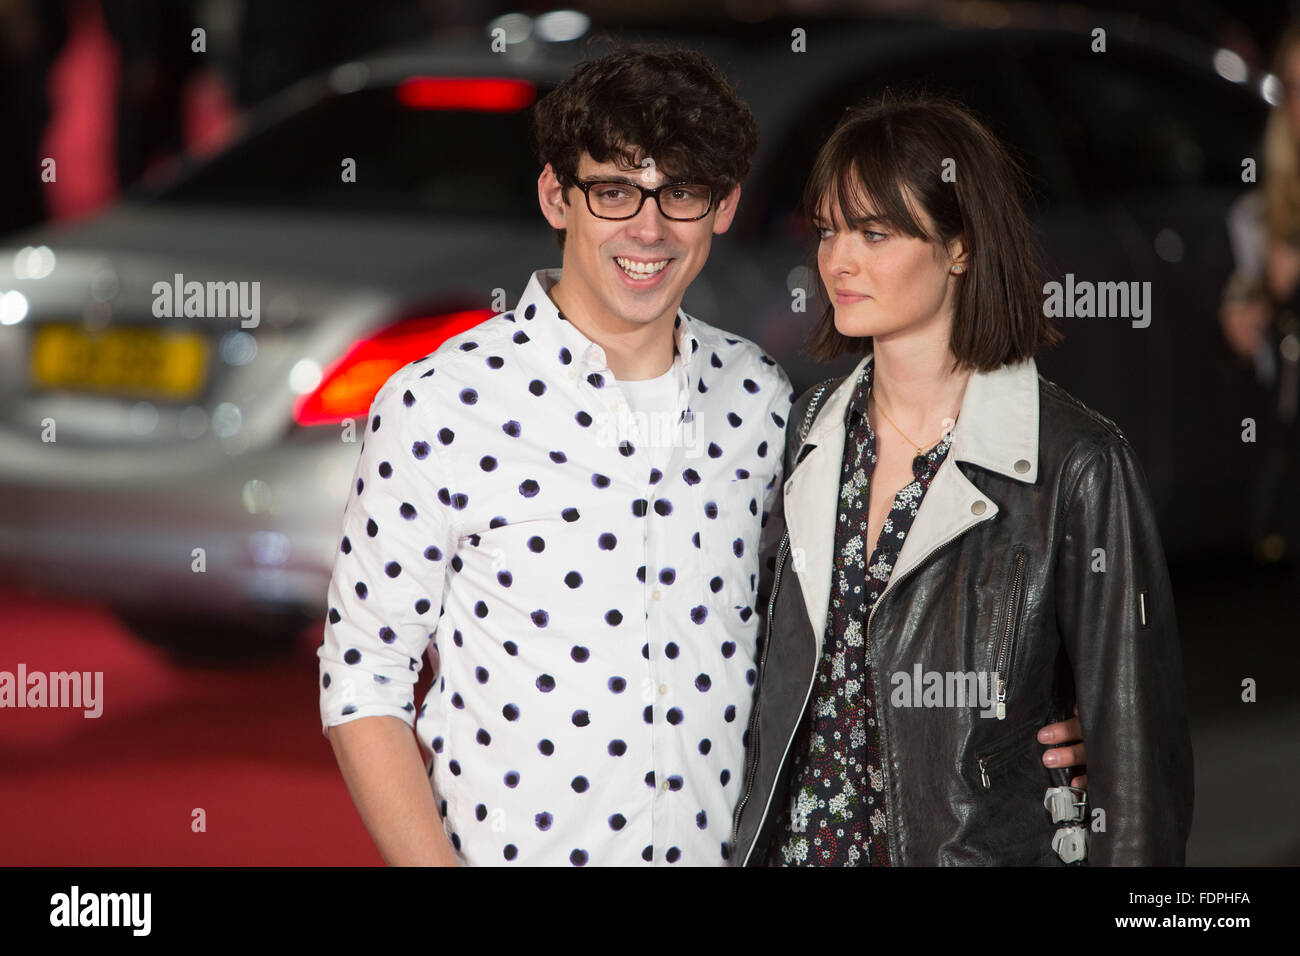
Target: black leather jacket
{"points": [[1034, 559]]}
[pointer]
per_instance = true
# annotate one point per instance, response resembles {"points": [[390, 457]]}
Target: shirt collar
{"points": [[540, 318]]}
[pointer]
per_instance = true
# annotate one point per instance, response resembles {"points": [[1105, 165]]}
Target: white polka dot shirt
{"points": [[592, 616]]}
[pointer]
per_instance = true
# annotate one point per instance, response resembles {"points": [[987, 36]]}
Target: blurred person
{"points": [[946, 506], [31, 36], [1260, 313], [154, 42], [562, 508]]}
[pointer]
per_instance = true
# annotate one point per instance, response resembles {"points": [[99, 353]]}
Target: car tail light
{"points": [[484, 94], [349, 386]]}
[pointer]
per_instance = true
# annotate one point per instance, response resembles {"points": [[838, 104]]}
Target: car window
{"points": [[1130, 123], [410, 161], [973, 77]]}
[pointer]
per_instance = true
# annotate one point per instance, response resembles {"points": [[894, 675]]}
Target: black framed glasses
{"points": [[683, 202]]}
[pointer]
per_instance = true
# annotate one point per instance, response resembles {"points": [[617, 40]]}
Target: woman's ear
{"points": [[958, 255]]}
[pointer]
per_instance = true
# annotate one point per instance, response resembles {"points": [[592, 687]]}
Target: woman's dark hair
{"points": [[673, 105], [969, 185]]}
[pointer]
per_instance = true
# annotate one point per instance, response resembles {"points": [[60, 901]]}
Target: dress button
{"points": [[978, 508], [663, 688], [1022, 466]]}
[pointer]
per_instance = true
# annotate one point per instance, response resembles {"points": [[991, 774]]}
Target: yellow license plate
{"points": [[150, 363]]}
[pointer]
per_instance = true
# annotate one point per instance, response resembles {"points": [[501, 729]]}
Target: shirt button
{"points": [[1022, 466], [663, 688], [665, 785], [978, 508], [656, 594]]}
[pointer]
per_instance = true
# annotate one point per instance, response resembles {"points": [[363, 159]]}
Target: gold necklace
{"points": [[919, 452]]}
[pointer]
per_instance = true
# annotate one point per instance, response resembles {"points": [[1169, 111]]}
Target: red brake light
{"points": [[485, 94], [348, 388]]}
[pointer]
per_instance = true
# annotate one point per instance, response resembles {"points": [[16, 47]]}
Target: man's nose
{"points": [[650, 224]]}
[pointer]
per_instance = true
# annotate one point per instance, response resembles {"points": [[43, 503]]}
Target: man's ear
{"points": [[726, 211], [550, 196]]}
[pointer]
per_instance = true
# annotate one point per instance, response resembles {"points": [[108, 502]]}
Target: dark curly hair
{"points": [[664, 102]]}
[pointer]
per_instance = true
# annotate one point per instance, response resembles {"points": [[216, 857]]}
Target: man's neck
{"points": [[633, 351], [912, 381]]}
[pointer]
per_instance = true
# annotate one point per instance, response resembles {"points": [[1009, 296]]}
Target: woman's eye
{"points": [[825, 233], [873, 236]]}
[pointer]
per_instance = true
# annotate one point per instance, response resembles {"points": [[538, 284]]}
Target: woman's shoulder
{"points": [[1068, 429]]}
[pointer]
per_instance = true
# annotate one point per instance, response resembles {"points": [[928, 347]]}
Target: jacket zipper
{"points": [[1009, 635], [875, 667], [782, 551]]}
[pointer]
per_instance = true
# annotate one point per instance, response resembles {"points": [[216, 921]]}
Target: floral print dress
{"points": [[837, 813]]}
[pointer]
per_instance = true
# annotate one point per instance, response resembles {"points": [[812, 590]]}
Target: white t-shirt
{"points": [[653, 403]]}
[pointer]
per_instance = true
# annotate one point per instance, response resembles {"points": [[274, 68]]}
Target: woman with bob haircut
{"points": [[966, 552]]}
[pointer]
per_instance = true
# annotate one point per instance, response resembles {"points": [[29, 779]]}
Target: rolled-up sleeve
{"points": [[385, 593], [1115, 611]]}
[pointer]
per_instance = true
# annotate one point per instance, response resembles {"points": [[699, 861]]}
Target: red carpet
{"points": [[244, 744]]}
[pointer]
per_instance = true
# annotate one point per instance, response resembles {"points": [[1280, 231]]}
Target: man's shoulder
{"points": [[726, 352], [458, 355]]}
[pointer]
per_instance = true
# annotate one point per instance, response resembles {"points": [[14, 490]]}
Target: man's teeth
{"points": [[640, 269]]}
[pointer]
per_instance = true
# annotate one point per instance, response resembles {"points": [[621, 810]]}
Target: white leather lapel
{"points": [[997, 429], [812, 501]]}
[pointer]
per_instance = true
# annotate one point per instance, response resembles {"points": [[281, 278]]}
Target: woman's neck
{"points": [[912, 382]]}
